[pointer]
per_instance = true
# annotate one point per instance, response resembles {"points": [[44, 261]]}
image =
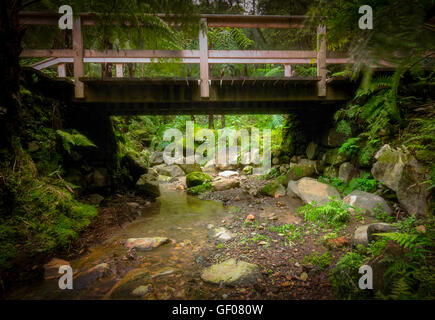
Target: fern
{"points": [[74, 139]]}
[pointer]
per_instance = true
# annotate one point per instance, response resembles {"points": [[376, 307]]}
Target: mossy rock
{"points": [[202, 188], [301, 170], [334, 157], [194, 179], [273, 188], [148, 184]]}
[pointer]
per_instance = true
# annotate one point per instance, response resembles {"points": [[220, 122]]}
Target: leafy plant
{"points": [[74, 139], [334, 213]]}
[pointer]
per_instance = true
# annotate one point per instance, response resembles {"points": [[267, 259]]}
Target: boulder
{"points": [[171, 171], [305, 168], [402, 173], [87, 278], [292, 189], [335, 157], [225, 184], [334, 138], [312, 190], [190, 167], [148, 184], [209, 167], [232, 273], [197, 178], [228, 173], [367, 202], [347, 172], [145, 243], [365, 234], [331, 172], [157, 158], [273, 189], [312, 150], [124, 288]]}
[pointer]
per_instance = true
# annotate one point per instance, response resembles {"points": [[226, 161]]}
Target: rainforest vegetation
{"points": [[48, 180]]}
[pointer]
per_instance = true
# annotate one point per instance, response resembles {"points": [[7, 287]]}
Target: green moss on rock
{"points": [[194, 179]]}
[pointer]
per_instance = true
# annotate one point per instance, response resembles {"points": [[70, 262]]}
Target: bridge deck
{"points": [[237, 95], [227, 95]]}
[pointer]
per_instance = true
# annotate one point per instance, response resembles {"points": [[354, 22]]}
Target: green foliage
{"points": [[334, 213], [344, 277], [364, 183], [350, 147], [194, 179], [74, 139], [321, 261]]}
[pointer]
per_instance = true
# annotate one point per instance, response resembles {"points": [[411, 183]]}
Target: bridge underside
{"points": [[227, 96], [121, 96]]}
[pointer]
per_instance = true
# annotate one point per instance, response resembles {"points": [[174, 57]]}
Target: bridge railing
{"points": [[78, 55]]}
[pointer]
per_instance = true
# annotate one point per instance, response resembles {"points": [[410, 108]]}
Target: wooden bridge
{"points": [[120, 95]]}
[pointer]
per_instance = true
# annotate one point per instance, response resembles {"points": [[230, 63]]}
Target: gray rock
{"points": [[190, 167], [312, 150], [142, 290], [347, 172], [225, 184], [148, 184], [221, 234], [365, 234], [305, 168], [228, 173], [331, 172], [312, 190], [51, 269], [171, 171], [334, 138], [89, 277], [292, 189], [145, 243], [157, 158], [367, 202], [402, 173], [273, 189], [232, 273], [334, 157]]}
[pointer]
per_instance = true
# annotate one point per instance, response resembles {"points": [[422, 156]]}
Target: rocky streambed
{"points": [[241, 240]]}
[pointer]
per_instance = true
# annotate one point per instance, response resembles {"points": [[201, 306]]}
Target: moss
{"points": [[43, 217], [194, 179], [202, 188], [299, 171], [271, 188]]}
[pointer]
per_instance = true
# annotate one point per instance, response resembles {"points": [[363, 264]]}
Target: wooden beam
{"points": [[203, 60], [119, 70], [61, 70], [263, 54], [77, 41], [214, 20], [287, 70], [45, 53], [321, 60]]}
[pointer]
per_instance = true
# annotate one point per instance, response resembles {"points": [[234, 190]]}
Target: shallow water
{"points": [[175, 215]]}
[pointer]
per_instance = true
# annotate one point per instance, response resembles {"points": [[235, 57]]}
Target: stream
{"points": [[169, 271]]}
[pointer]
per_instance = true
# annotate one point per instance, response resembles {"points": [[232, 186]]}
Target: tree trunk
{"points": [[11, 34], [192, 117], [223, 121], [210, 121]]}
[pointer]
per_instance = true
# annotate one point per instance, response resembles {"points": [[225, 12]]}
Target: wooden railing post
{"points": [[61, 70], [119, 70], [321, 60], [287, 70], [77, 41], [203, 59]]}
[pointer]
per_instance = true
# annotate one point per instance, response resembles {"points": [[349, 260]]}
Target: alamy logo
{"points": [[228, 150], [366, 281], [66, 20], [66, 280], [366, 21]]}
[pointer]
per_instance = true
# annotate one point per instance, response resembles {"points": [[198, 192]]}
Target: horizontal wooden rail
{"points": [[213, 20]]}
